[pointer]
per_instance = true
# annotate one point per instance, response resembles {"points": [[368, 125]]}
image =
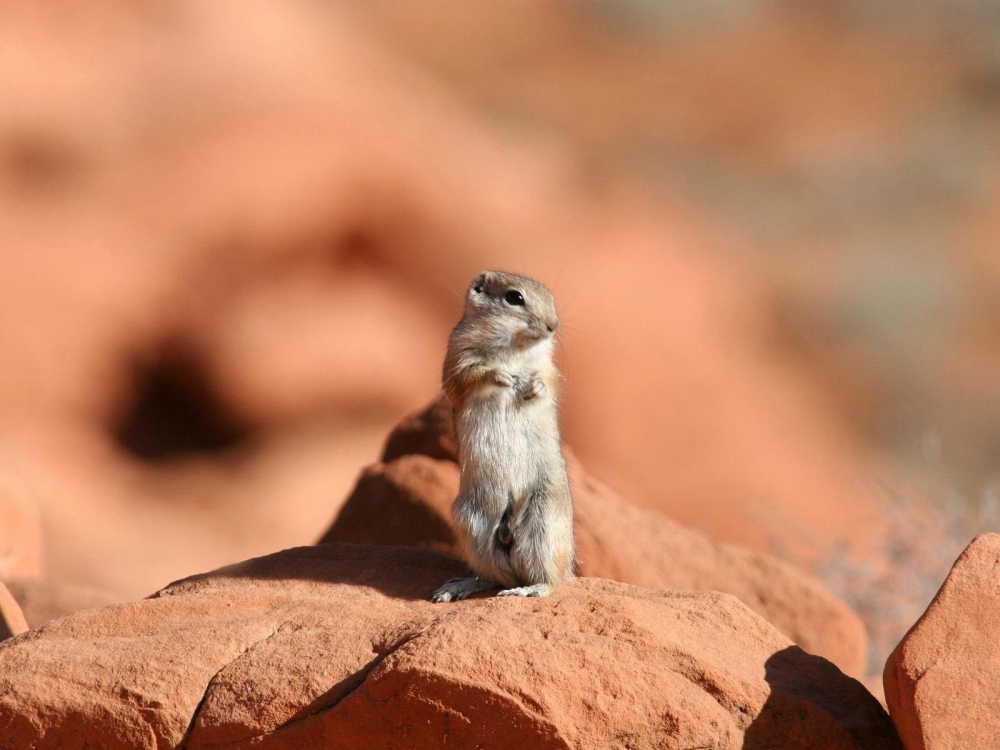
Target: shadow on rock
{"points": [[813, 705]]}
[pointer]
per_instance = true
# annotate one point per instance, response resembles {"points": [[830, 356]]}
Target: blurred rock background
{"points": [[848, 151], [234, 238]]}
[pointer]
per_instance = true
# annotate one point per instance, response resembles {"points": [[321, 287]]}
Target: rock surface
{"points": [[11, 618], [337, 646], [407, 500], [404, 502], [941, 681]]}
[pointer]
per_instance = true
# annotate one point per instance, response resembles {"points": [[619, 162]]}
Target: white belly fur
{"points": [[502, 439]]}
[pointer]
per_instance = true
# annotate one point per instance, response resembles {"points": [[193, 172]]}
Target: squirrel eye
{"points": [[478, 289], [514, 297]]}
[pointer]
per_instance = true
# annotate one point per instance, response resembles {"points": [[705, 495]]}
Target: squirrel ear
{"points": [[479, 282]]}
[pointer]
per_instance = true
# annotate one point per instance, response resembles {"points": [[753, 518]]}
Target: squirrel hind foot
{"points": [[539, 589], [504, 536], [461, 588]]}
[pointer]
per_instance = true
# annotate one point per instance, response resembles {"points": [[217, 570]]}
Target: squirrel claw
{"points": [[539, 589], [461, 588]]}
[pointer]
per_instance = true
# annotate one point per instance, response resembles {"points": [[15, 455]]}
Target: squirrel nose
{"points": [[552, 325]]}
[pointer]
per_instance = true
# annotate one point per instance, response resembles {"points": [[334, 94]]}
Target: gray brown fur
{"points": [[513, 513]]}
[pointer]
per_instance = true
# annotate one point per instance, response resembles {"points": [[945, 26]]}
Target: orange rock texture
{"points": [[407, 501], [337, 646], [940, 682]]}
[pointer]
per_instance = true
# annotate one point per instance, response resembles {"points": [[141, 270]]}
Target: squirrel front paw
{"points": [[503, 379], [534, 389]]}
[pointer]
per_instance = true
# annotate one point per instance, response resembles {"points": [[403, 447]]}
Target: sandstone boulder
{"points": [[428, 432], [941, 681], [11, 618], [407, 500], [337, 646], [404, 502]]}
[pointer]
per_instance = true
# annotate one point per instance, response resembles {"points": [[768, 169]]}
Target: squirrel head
{"points": [[513, 311]]}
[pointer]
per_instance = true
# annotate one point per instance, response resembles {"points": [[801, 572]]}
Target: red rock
{"points": [[42, 600], [635, 545], [401, 503], [337, 646], [428, 432], [941, 681], [407, 501], [11, 618]]}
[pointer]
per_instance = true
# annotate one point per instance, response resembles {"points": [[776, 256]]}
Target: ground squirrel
{"points": [[513, 513]]}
